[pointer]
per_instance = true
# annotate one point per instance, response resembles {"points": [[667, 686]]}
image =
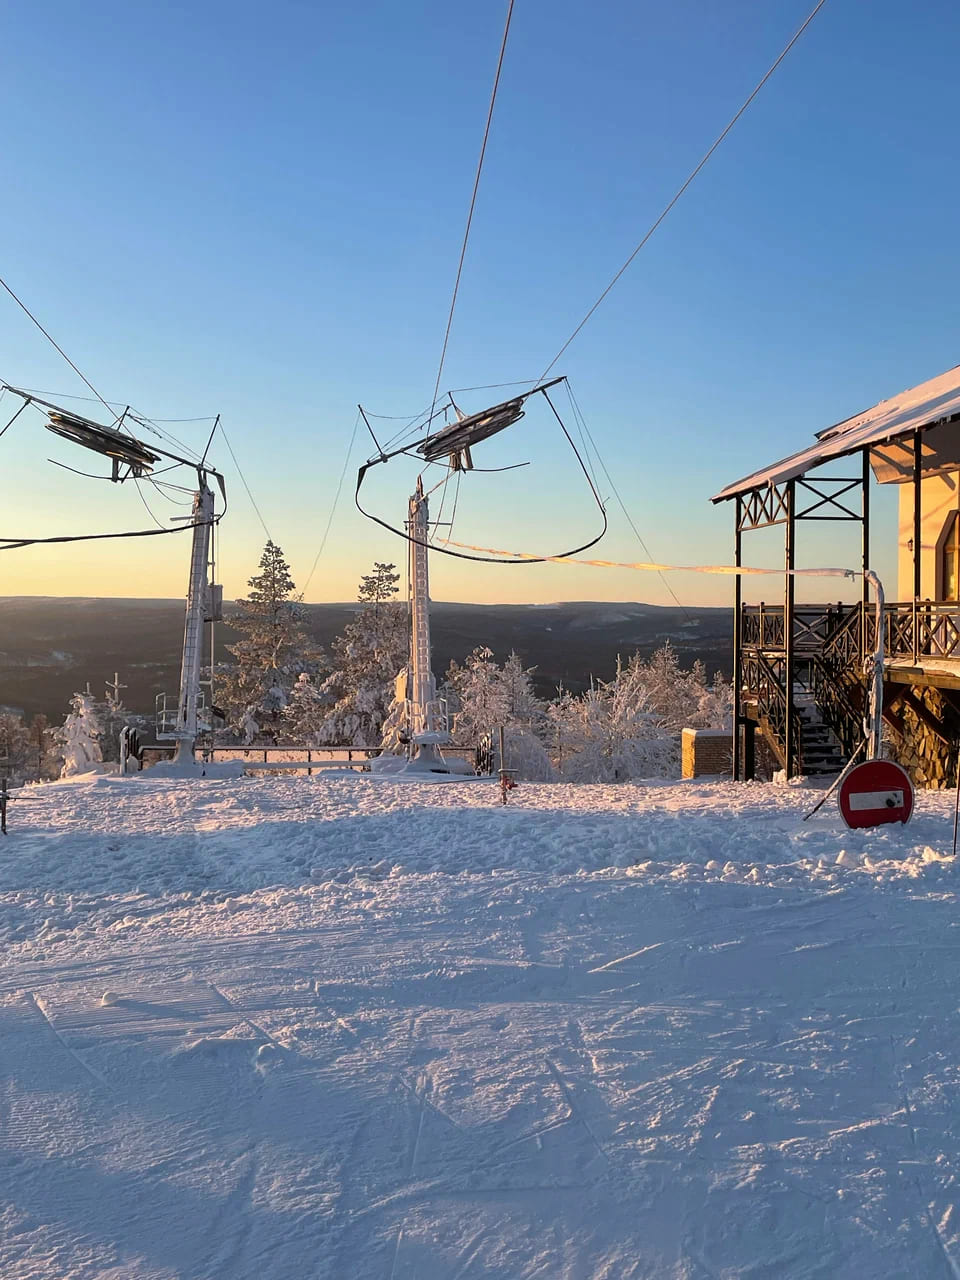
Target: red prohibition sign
{"points": [[875, 792]]}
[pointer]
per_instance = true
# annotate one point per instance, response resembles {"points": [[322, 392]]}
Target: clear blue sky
{"points": [[256, 209]]}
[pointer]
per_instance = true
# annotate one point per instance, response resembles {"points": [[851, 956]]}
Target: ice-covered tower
{"points": [[426, 729], [198, 608]]}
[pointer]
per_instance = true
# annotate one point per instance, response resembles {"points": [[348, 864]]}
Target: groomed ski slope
{"points": [[291, 1028]]}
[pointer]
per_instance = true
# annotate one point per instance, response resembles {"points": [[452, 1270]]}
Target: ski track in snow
{"points": [[330, 1027]]}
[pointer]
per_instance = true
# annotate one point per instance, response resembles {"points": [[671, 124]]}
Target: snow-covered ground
{"points": [[332, 1027]]}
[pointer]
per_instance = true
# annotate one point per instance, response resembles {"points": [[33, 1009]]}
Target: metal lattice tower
{"points": [[197, 603], [423, 688]]}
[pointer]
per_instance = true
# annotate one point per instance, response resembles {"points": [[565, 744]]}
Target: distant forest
{"points": [[50, 647]]}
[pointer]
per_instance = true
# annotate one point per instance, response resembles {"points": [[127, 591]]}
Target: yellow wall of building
{"points": [[940, 498]]}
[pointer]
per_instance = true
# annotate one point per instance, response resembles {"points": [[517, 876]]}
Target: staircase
{"points": [[824, 709], [821, 752]]}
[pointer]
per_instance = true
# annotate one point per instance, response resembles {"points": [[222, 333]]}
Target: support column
{"points": [[917, 538], [788, 610], [737, 645], [425, 729], [193, 626], [865, 553], [917, 513]]}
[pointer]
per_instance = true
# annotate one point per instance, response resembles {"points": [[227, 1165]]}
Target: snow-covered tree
{"points": [[485, 696], [17, 761], [273, 651], [80, 736], [477, 695], [629, 728], [372, 648], [305, 712], [112, 717], [608, 735]]}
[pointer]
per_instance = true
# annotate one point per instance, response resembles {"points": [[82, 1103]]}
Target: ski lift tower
{"points": [[427, 723], [181, 722], [131, 459]]}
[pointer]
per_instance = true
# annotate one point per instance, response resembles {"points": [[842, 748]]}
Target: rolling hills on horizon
{"points": [[51, 646]]}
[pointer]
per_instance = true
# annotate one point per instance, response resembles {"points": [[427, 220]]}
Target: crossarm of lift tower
{"points": [[130, 457], [453, 444]]}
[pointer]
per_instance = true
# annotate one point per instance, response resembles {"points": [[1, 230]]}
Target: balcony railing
{"points": [[913, 630]]}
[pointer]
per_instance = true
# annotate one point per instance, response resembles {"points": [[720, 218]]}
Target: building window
{"points": [[950, 560]]}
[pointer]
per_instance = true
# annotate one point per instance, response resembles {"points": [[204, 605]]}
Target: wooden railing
{"points": [[846, 632], [764, 680], [830, 643]]}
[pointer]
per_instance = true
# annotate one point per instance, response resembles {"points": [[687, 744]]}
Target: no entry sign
{"points": [[875, 792]]}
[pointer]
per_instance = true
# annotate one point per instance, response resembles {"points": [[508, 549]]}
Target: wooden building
{"points": [[798, 668]]}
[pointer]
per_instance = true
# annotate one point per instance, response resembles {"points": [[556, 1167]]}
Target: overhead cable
{"points": [[333, 506], [473, 201], [13, 544], [689, 180], [243, 481], [53, 342], [620, 502]]}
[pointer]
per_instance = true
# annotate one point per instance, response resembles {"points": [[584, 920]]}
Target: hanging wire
{"points": [[491, 559], [27, 312], [495, 386], [243, 480], [689, 180], [150, 513], [333, 505], [14, 544], [473, 202], [622, 505]]}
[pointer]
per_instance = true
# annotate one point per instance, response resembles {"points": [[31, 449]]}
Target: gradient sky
{"points": [[256, 209]]}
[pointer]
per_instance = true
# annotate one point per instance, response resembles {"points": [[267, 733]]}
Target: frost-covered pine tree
{"points": [[629, 727], [485, 697], [367, 656], [80, 736], [609, 734], [480, 700], [273, 651], [305, 712]]}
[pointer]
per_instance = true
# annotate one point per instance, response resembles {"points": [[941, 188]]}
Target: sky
{"points": [[257, 210]]}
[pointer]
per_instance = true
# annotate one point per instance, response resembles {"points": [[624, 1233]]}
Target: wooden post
{"points": [[737, 644], [917, 526], [788, 610]]}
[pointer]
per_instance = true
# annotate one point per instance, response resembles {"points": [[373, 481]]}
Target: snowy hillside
{"points": [[330, 1027]]}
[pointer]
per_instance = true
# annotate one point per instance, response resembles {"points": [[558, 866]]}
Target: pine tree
{"points": [[378, 586], [305, 712], [481, 700], [629, 728], [80, 736], [372, 648], [485, 696], [273, 652]]}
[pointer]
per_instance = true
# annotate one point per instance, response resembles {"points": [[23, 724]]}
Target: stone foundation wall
{"points": [[706, 752], [931, 762]]}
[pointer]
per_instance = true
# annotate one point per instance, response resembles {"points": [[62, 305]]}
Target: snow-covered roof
{"points": [[931, 402]]}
